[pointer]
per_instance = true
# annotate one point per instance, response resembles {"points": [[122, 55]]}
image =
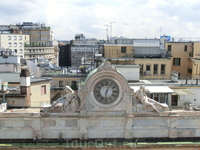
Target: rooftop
{"points": [[15, 78]]}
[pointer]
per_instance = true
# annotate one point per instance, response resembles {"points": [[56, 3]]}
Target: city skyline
{"points": [[131, 19]]}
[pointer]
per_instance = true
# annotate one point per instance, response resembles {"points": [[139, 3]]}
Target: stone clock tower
{"points": [[106, 94], [106, 90]]}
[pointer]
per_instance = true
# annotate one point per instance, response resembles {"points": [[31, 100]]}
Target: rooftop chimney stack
{"points": [[25, 84]]}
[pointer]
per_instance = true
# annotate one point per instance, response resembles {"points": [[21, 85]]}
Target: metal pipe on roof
{"points": [[4, 97]]}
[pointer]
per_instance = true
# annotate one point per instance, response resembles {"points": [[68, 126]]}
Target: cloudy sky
{"points": [[129, 18]]}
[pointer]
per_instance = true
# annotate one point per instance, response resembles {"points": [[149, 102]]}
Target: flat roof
{"points": [[15, 78], [154, 89], [167, 82]]}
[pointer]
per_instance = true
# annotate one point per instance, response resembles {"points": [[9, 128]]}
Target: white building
{"points": [[9, 62], [15, 42]]}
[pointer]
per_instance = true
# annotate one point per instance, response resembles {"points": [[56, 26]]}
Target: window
{"points": [[189, 70], [20, 44], [15, 44], [61, 84], [162, 69], [148, 67], [185, 48], [123, 49], [9, 37], [15, 51], [74, 85], [141, 69], [9, 44], [20, 51], [169, 48], [43, 89], [155, 69], [15, 38], [20, 37], [176, 61]]}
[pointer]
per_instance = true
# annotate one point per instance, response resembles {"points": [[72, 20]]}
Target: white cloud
{"points": [[133, 19]]}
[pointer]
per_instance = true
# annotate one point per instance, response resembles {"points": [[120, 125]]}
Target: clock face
{"points": [[106, 91]]}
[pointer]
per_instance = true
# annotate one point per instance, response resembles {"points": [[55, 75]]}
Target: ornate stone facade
{"points": [[128, 114]]}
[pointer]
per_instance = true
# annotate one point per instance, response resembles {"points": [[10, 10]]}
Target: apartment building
{"points": [[40, 37], [154, 68], [120, 54], [149, 54], [154, 61], [83, 51], [185, 57], [195, 60], [180, 52], [14, 42], [40, 52]]}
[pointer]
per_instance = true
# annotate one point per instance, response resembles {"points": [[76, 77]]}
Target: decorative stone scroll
{"points": [[69, 102], [106, 66], [148, 104]]}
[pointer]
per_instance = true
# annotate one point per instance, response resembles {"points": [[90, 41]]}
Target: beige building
{"points": [[35, 95], [38, 52], [39, 36], [154, 62], [15, 42], [195, 60], [159, 68], [40, 93], [120, 54], [185, 58], [181, 52]]}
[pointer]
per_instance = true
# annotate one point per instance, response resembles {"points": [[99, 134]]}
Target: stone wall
{"points": [[52, 126]]}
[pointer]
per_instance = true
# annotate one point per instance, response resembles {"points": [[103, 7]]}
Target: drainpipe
{"points": [[4, 97], [186, 80]]}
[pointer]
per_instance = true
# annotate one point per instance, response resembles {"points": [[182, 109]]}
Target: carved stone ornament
{"points": [[69, 102], [148, 104], [106, 66]]}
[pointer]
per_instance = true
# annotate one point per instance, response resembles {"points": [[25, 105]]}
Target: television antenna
{"points": [[111, 29], [107, 33]]}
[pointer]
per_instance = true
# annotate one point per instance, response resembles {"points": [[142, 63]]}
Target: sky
{"points": [[127, 18]]}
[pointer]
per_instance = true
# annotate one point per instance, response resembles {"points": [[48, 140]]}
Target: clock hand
{"points": [[106, 91]]}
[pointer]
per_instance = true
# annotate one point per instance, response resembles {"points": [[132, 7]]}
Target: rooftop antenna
{"points": [[111, 29], [107, 33]]}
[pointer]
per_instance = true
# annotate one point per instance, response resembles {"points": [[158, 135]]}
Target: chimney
{"points": [[25, 84]]}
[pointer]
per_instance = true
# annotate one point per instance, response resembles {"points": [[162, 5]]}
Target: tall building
{"points": [[40, 34], [83, 51], [65, 55], [40, 42], [14, 42]]}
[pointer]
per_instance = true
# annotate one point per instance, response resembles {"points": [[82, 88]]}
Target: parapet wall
{"points": [[75, 126]]}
